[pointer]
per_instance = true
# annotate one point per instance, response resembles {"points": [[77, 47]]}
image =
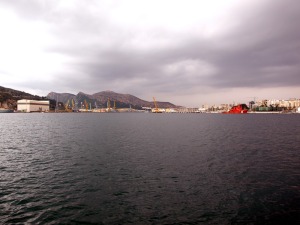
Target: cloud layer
{"points": [[186, 52]]}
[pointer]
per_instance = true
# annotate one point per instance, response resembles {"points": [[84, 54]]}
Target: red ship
{"points": [[237, 109]]}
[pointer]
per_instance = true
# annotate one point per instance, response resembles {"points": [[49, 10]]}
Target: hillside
{"points": [[100, 99], [9, 97], [61, 97]]}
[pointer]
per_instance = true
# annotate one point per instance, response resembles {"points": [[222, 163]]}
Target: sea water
{"points": [[143, 168]]}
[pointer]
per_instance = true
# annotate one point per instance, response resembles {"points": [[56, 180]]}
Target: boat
{"points": [[238, 109], [3, 110]]}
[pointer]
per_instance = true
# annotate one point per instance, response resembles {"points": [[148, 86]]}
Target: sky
{"points": [[188, 52]]}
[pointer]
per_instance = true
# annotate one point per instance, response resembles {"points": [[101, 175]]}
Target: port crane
{"points": [[108, 103], [86, 105], [67, 106], [156, 110], [73, 104]]}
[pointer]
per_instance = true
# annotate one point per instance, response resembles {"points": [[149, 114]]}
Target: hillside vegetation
{"points": [[9, 97]]}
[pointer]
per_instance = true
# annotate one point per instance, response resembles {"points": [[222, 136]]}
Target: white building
{"points": [[25, 105]]}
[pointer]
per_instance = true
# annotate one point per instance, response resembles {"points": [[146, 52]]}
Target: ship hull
{"points": [[236, 112], [238, 109], [6, 111]]}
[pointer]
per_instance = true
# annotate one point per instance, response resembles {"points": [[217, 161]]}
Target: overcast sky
{"points": [[188, 52]]}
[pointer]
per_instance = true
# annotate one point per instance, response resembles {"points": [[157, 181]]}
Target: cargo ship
{"points": [[238, 109]]}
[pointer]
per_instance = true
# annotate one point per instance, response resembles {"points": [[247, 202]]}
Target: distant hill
{"points": [[9, 97], [100, 100], [61, 97]]}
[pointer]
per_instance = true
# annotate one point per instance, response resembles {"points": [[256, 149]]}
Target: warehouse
{"points": [[25, 105]]}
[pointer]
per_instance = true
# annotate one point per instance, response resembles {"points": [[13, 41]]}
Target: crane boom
{"points": [[73, 104], [108, 103], [156, 110], [86, 105]]}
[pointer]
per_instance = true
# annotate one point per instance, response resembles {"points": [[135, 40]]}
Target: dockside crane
{"points": [[86, 105], [156, 110], [73, 104], [67, 106], [108, 103]]}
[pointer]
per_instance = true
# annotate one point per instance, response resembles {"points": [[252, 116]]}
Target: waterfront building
{"points": [[293, 103], [25, 105], [202, 110], [206, 106], [171, 110], [159, 110]]}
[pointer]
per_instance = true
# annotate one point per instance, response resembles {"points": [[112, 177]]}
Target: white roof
{"points": [[32, 101]]}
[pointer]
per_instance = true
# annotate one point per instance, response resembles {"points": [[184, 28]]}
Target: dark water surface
{"points": [[143, 168]]}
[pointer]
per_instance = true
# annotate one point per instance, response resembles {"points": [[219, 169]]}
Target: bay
{"points": [[143, 168]]}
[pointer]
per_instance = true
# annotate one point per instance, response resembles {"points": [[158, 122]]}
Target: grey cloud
{"points": [[261, 50], [272, 40], [256, 46]]}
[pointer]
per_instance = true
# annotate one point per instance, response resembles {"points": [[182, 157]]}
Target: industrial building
{"points": [[25, 105]]}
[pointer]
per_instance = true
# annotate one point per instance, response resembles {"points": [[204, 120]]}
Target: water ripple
{"points": [[149, 169]]}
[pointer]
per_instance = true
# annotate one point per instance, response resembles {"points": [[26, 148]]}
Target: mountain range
{"points": [[101, 99], [9, 98]]}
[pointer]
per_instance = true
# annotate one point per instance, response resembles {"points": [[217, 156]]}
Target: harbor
{"points": [[149, 112], [44, 106]]}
